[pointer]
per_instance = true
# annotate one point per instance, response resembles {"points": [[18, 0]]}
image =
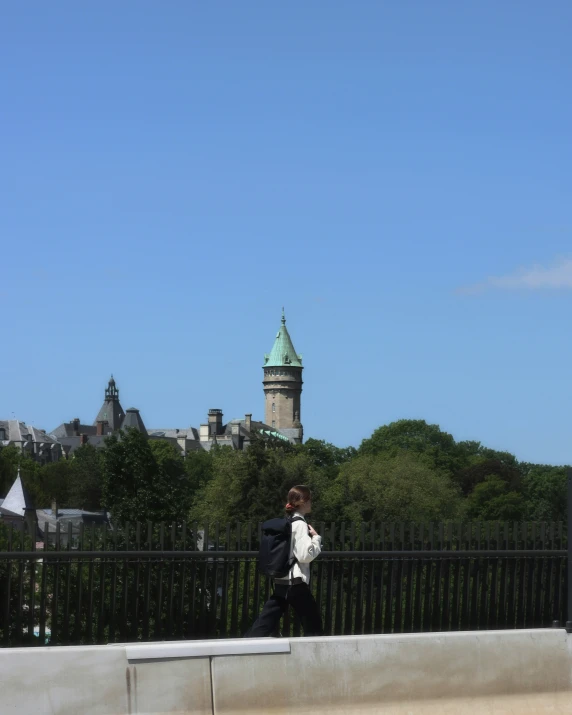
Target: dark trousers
{"points": [[300, 598]]}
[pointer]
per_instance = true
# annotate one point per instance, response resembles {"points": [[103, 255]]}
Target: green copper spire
{"points": [[283, 352]]}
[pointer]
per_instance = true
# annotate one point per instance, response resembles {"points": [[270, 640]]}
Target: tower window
{"points": [[273, 407], [274, 423]]}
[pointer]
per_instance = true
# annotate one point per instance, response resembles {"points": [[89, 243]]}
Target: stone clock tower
{"points": [[283, 386]]}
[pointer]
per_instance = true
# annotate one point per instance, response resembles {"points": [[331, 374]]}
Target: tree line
{"points": [[405, 471]]}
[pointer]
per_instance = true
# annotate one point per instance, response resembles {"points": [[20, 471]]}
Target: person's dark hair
{"points": [[296, 497]]}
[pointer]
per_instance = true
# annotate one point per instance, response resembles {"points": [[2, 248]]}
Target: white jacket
{"points": [[304, 548]]}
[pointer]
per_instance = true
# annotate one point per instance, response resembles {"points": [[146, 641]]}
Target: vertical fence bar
{"points": [[136, 595], [350, 587], [246, 583], [426, 621], [569, 558], [398, 624], [182, 591], [113, 594], [437, 599], [56, 594], [319, 579], [31, 522], [204, 586], [78, 635], [379, 583], [257, 576], [523, 578], [7, 590], [225, 586], [43, 590], [235, 587], [532, 569], [409, 572], [358, 623], [159, 586], [417, 602], [370, 585], [193, 587], [212, 628], [456, 567], [512, 569], [125, 609], [147, 594], [540, 590], [338, 626], [446, 625], [553, 569], [328, 621], [170, 615], [388, 618], [494, 567], [66, 623], [477, 563], [20, 584]]}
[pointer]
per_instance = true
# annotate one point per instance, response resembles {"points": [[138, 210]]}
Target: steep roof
{"points": [[17, 500], [67, 429], [133, 419], [70, 444], [283, 353], [16, 431], [111, 410]]}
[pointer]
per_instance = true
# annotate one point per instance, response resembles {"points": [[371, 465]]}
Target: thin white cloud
{"points": [[556, 276]]}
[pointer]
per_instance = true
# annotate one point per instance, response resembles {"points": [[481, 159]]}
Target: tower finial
{"points": [[283, 317]]}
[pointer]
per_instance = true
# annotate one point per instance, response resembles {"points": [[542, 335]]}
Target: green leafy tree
{"points": [[400, 487], [416, 436], [483, 467], [54, 480], [9, 461], [143, 479], [199, 468], [493, 500], [249, 485], [324, 454], [85, 489], [545, 491]]}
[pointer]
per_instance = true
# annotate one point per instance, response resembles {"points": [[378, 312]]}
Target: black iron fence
{"points": [[148, 582]]}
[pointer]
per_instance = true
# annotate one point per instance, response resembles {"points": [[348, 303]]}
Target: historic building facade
{"points": [[283, 386]]}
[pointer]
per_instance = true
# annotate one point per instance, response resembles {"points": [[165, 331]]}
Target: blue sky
{"points": [[396, 174]]}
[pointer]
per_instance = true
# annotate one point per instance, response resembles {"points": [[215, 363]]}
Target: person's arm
{"points": [[305, 547]]}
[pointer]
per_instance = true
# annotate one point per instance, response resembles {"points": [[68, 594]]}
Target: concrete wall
{"points": [[519, 672]]}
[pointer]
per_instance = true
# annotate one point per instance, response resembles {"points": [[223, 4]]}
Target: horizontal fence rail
{"points": [[86, 585], [212, 555]]}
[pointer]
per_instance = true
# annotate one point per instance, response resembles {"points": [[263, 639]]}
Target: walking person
{"points": [[294, 588]]}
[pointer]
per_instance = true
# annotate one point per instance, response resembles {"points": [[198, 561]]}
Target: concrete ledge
{"points": [[509, 672], [98, 680], [354, 673], [205, 649]]}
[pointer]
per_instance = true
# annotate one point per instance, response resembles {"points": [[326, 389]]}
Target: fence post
{"points": [[569, 547]]}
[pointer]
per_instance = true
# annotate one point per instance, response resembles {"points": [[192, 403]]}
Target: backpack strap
{"points": [[294, 560]]}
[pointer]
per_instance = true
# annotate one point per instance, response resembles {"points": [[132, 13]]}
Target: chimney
{"points": [[215, 422], [54, 508], [101, 425], [248, 422], [83, 439], [75, 425]]}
